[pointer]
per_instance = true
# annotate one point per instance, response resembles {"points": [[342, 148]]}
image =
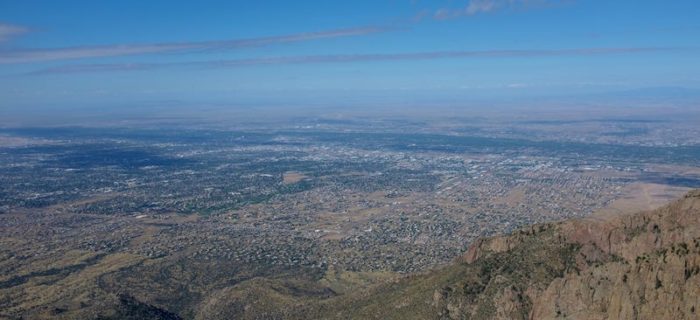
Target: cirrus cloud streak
{"points": [[349, 58], [10, 56], [475, 7], [8, 31]]}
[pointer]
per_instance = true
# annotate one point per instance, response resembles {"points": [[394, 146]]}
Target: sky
{"points": [[108, 54]]}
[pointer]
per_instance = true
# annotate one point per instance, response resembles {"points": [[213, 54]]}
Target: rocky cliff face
{"points": [[634, 266], [654, 274]]}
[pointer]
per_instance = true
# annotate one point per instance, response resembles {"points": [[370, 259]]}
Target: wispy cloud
{"points": [[8, 31], [88, 68], [8, 56], [28, 55], [474, 7]]}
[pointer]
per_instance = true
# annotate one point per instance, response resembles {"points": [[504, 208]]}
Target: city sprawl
{"points": [[186, 210]]}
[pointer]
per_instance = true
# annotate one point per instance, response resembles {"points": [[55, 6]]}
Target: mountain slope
{"points": [[630, 266]]}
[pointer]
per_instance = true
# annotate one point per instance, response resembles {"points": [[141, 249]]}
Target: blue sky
{"points": [[61, 53]]}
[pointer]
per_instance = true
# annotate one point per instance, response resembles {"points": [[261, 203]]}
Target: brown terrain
{"points": [[292, 177], [641, 265], [629, 266], [611, 265]]}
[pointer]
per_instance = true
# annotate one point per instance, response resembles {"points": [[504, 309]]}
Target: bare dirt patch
{"points": [[292, 177], [642, 197]]}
